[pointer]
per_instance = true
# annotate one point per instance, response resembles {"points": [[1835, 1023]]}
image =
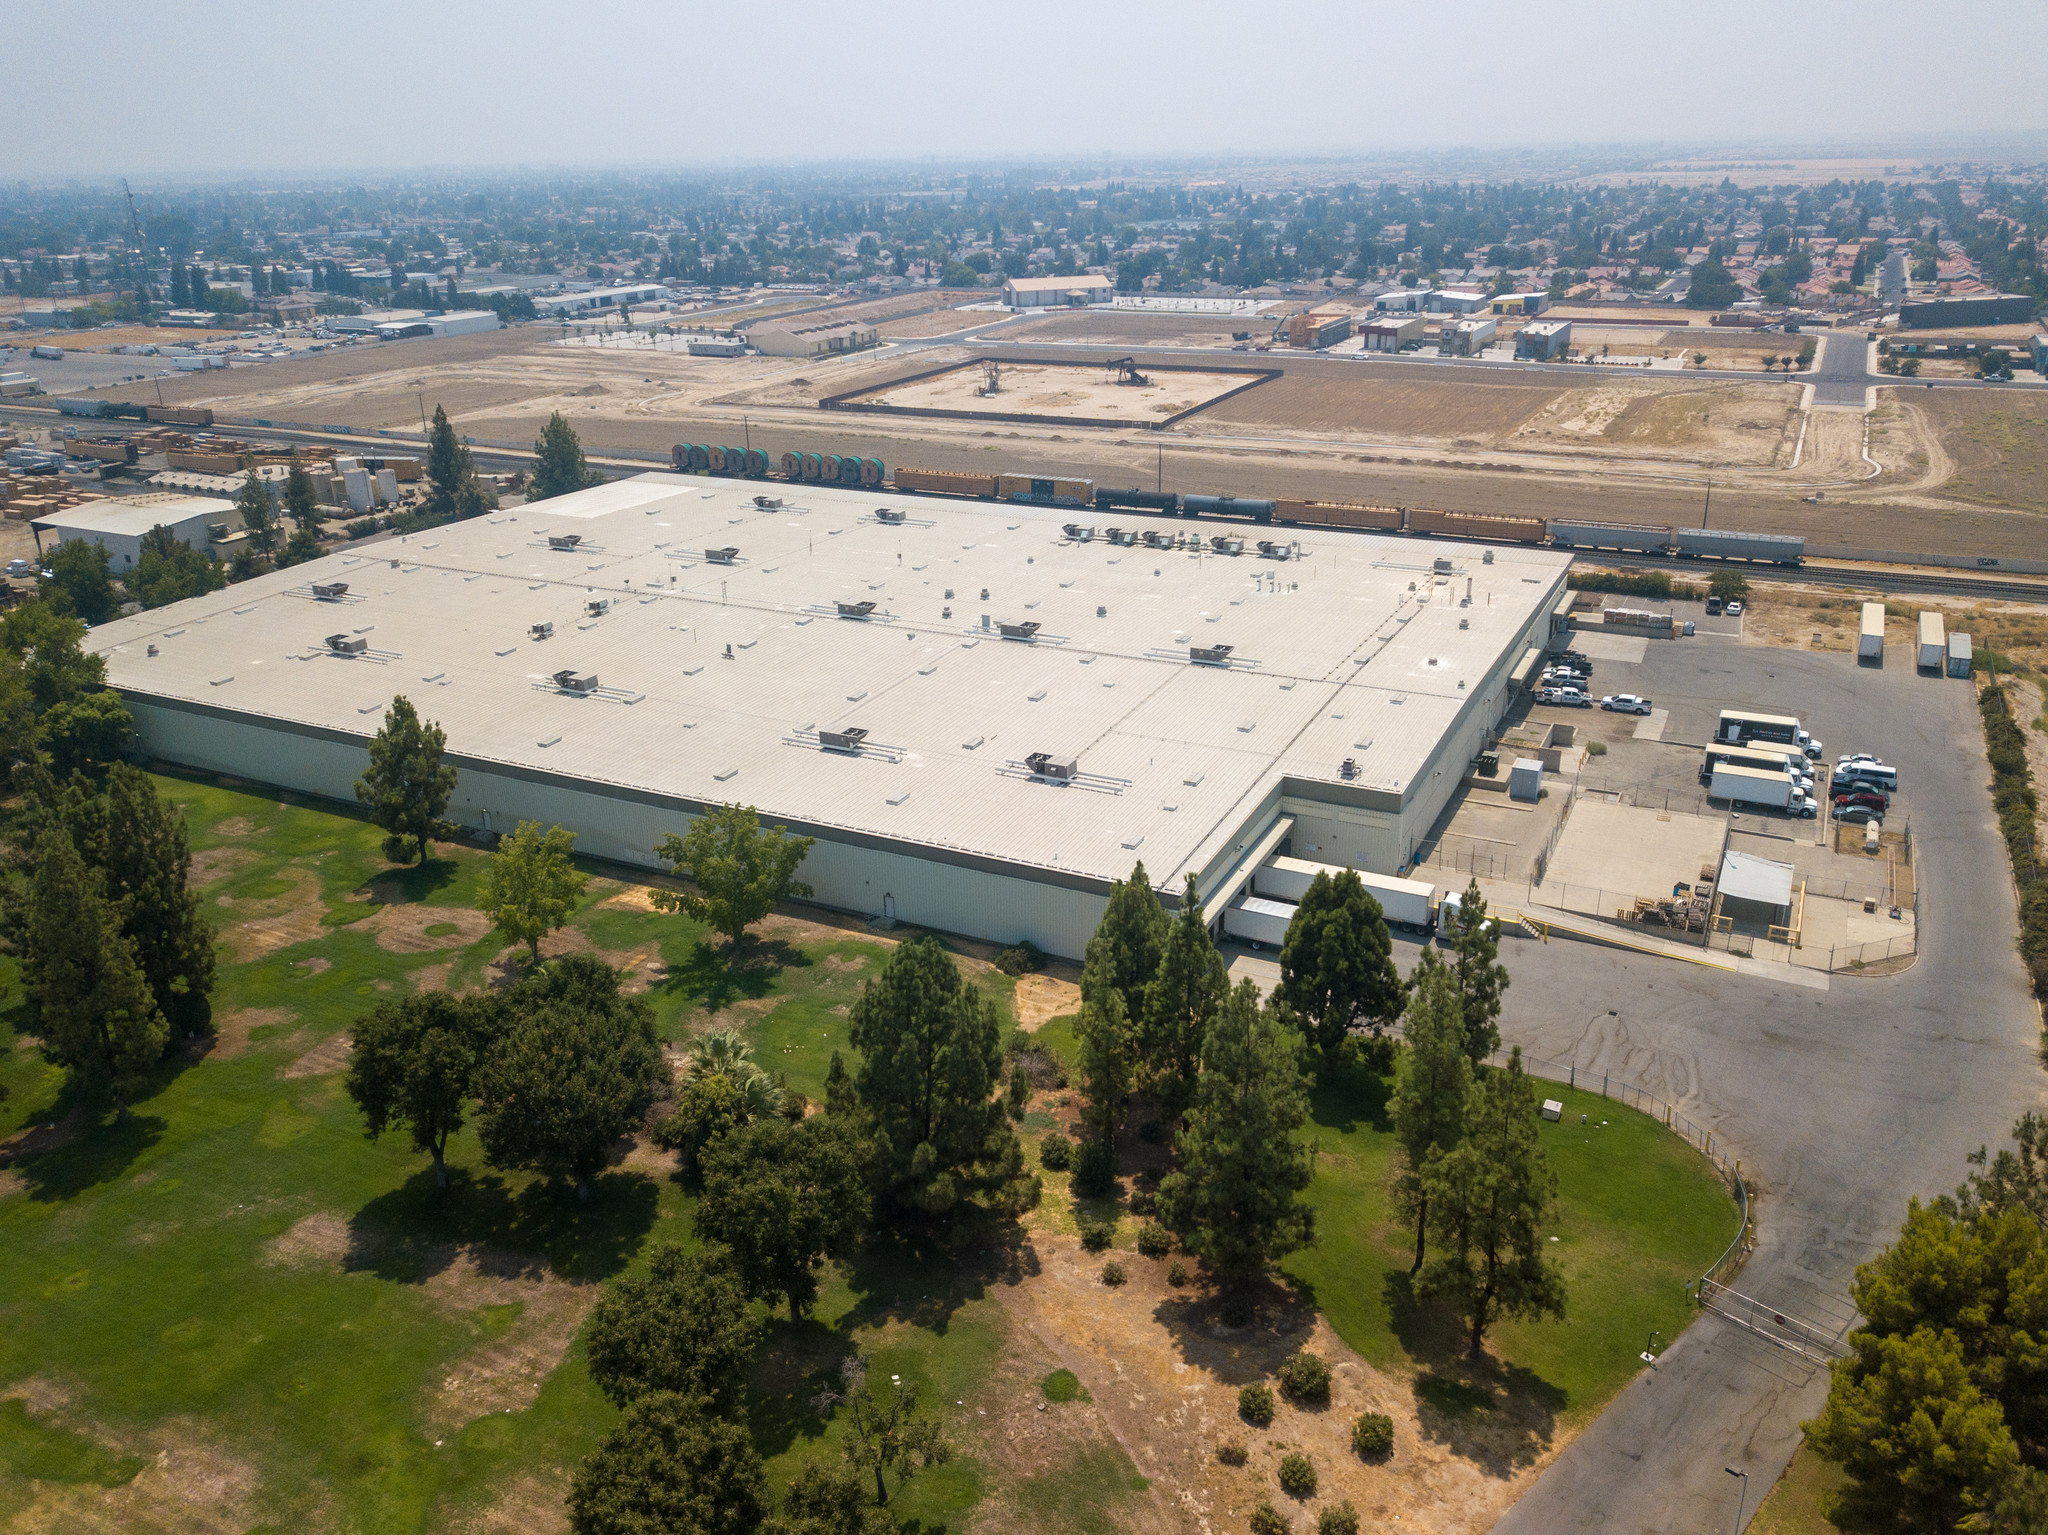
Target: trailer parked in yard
{"points": [[1959, 654], [1870, 643], [1257, 920], [1759, 786], [1933, 642], [1406, 903]]}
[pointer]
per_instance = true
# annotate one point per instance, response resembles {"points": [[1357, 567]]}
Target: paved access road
{"points": [[1840, 1103], [1842, 374]]}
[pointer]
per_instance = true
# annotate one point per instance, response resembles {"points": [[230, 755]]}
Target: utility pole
{"points": [[1741, 1497], [1710, 502], [421, 397]]}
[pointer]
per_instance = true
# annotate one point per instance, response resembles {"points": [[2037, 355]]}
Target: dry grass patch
{"points": [[231, 1029], [212, 864], [329, 1056], [266, 924], [1042, 997], [188, 1487], [411, 928]]}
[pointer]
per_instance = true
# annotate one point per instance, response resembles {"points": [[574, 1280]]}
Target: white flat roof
{"points": [[1334, 657], [1747, 877], [133, 515]]}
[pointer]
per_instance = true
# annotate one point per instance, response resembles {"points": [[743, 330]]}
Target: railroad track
{"points": [[1869, 578]]}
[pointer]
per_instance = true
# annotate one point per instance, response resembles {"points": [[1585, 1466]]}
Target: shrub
{"points": [[1143, 1201], [1154, 1241], [1338, 1519], [2014, 798], [1232, 1452], [1063, 1386], [1255, 1404], [1268, 1520], [1176, 1273], [1055, 1152], [1096, 1235], [1113, 1273], [1372, 1434], [1021, 959], [1094, 1169], [1298, 1476], [1305, 1377], [1041, 1066], [1596, 748]]}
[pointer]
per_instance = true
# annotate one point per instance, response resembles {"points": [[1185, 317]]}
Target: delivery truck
{"points": [[1406, 903], [1933, 643], [1760, 786], [1256, 920], [1870, 643], [1739, 727]]}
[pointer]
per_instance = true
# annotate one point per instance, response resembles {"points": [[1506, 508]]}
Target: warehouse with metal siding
{"points": [[1358, 681]]}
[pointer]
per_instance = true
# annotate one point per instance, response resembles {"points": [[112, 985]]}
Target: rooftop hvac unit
{"points": [[564, 540], [1349, 768], [847, 740], [330, 591], [1121, 536], [1225, 545], [855, 609], [723, 556], [769, 503], [887, 514], [1268, 550], [1027, 630], [576, 682], [1044, 765], [1154, 539], [1078, 533], [347, 644], [542, 631], [597, 607], [1210, 655], [1440, 567]]}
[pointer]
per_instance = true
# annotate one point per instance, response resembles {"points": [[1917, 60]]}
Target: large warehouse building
{"points": [[982, 719]]}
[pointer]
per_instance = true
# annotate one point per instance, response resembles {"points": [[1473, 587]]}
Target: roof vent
{"points": [[330, 591], [580, 683], [542, 631], [725, 556], [564, 540], [1210, 655], [347, 644], [847, 740], [1349, 768], [888, 514], [1078, 532], [769, 503], [1224, 544], [1486, 558], [1044, 765], [597, 607], [1269, 550], [1026, 631], [855, 609]]}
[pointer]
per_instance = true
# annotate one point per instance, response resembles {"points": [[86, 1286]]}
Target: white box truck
{"points": [[1739, 727], [1408, 903], [1759, 786], [1933, 642], [1870, 643], [1257, 920]]}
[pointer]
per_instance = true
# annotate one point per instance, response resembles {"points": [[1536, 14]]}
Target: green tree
{"points": [[741, 871], [88, 997], [78, 578], [1234, 1202], [531, 884], [1337, 963], [1107, 1048], [558, 463], [1488, 1198], [40, 644], [453, 489], [301, 504], [931, 1060], [1728, 585], [885, 1431], [414, 1066], [670, 1468], [577, 1067], [829, 1500], [784, 1198], [708, 1108], [1712, 287], [170, 570], [1123, 955], [258, 514], [684, 1326], [1186, 990], [407, 786], [85, 733], [147, 866], [1430, 1095], [1475, 940]]}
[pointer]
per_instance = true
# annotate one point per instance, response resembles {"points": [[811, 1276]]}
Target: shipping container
{"points": [[1257, 920], [1330, 514], [1960, 657], [1933, 642], [1721, 544], [940, 482], [1478, 525], [1640, 538], [1870, 641], [1045, 490]]}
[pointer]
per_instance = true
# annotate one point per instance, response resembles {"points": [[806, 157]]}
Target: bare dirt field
{"points": [[1130, 328], [139, 335], [903, 305], [932, 322], [1475, 412], [1730, 423], [1996, 442], [1087, 394]]}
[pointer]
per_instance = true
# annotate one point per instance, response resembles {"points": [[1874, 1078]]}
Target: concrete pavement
{"points": [[1842, 374]]}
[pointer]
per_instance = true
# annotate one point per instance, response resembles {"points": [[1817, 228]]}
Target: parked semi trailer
{"points": [[1933, 642], [1257, 920], [1870, 642], [1406, 903]]}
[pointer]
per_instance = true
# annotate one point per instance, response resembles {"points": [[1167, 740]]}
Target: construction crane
{"points": [[134, 222]]}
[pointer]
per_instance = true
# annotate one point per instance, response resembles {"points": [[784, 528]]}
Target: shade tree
{"points": [[414, 1063], [531, 884], [741, 870], [684, 1326], [1337, 963], [784, 1198], [407, 785]]}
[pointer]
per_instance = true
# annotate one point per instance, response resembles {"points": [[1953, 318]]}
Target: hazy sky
{"points": [[194, 89]]}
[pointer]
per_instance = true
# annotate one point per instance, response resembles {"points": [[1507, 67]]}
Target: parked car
{"points": [[1714, 607], [1882, 774], [1869, 798], [1568, 698], [1733, 610], [1575, 658], [1625, 703], [1857, 815]]}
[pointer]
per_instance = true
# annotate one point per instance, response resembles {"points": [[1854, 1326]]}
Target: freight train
{"points": [[1067, 491]]}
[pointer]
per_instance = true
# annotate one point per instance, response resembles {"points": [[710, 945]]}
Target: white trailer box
{"points": [[1288, 879], [1258, 920], [1959, 654], [387, 485], [1525, 780], [1750, 786], [1408, 903], [1870, 644], [1933, 642]]}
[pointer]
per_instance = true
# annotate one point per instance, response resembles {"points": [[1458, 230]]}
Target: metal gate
{"points": [[1788, 1331]]}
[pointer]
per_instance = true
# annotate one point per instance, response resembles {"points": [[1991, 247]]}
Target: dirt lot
{"points": [[1730, 423], [1135, 329], [137, 335], [1995, 443], [1085, 393], [1470, 412]]}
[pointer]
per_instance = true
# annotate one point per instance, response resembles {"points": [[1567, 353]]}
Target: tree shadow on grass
{"points": [[411, 882], [795, 1364], [417, 1230], [80, 1148], [1499, 1416], [717, 975], [1353, 1096]]}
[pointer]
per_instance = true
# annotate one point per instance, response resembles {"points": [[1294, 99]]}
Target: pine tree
{"points": [[1182, 1000], [931, 1061], [1430, 1096], [531, 885], [1107, 1059], [258, 516], [558, 463], [90, 1000], [1124, 953], [1489, 1196], [147, 866], [453, 488], [302, 505], [1233, 1203], [1337, 963], [1475, 937], [407, 785]]}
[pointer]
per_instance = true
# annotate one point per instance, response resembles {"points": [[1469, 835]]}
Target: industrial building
{"points": [[1453, 301], [1544, 340], [1977, 309], [117, 525], [455, 322], [1314, 331], [1058, 292], [1390, 333], [981, 717], [1467, 337], [1520, 303], [773, 340], [565, 305], [1401, 300]]}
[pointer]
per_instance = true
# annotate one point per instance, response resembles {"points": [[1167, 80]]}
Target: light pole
{"points": [[1741, 1497]]}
